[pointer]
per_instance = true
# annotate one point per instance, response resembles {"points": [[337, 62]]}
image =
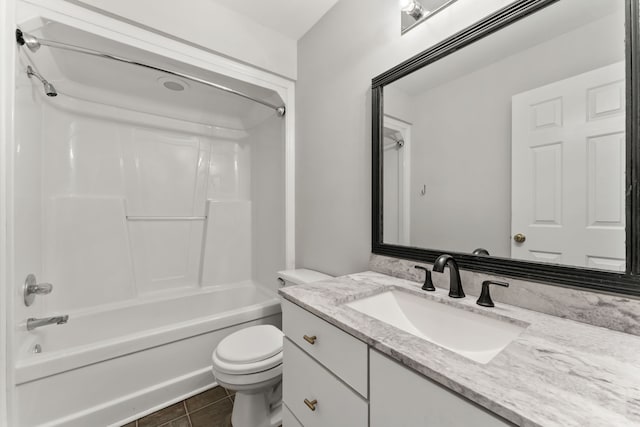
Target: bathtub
{"points": [[114, 365]]}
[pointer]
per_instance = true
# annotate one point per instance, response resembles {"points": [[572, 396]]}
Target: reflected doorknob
{"points": [[519, 238]]}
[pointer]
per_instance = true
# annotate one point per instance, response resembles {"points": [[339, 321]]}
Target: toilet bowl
{"points": [[249, 362]]}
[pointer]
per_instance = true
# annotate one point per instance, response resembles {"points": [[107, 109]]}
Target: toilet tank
{"points": [[300, 276]]}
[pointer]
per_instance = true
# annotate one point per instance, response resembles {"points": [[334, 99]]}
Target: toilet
{"points": [[249, 362]]}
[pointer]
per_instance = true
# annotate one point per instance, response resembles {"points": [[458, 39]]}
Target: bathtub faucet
{"points": [[33, 323]]}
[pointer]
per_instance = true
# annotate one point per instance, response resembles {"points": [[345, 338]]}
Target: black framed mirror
{"points": [[517, 135]]}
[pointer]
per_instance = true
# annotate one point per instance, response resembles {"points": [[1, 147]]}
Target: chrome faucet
{"points": [[33, 323], [455, 286]]}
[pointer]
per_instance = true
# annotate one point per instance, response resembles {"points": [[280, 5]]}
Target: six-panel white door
{"points": [[568, 171]]}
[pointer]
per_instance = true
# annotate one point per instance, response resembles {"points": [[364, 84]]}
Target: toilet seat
{"points": [[248, 351], [251, 344], [245, 368]]}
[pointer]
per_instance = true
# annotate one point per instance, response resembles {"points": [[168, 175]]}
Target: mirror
{"points": [[515, 144]]}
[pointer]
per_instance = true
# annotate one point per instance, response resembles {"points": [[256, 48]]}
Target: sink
{"points": [[472, 335]]}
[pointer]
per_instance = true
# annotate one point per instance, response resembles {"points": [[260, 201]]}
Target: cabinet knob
{"points": [[311, 404], [310, 339], [519, 238]]}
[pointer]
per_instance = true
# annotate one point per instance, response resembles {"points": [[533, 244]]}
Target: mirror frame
{"points": [[627, 283]]}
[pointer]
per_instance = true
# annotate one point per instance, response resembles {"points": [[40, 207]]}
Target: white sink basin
{"points": [[469, 334]]}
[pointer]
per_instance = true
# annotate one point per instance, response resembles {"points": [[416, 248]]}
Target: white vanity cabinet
{"points": [[331, 379], [400, 397]]}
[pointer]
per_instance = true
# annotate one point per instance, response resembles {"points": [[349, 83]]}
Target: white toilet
{"points": [[249, 362]]}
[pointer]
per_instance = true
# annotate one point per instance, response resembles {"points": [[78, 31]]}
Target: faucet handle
{"points": [[480, 251], [428, 283], [485, 296]]}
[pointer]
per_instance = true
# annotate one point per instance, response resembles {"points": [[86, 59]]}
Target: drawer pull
{"points": [[311, 340], [311, 404]]}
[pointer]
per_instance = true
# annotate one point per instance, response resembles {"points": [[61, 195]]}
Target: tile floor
{"points": [[211, 408]]}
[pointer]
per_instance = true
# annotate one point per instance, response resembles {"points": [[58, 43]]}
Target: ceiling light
{"points": [[172, 83]]}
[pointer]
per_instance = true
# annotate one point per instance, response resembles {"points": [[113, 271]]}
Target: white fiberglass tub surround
{"points": [[159, 217]]}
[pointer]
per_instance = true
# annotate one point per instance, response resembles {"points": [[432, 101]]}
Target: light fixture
{"points": [[415, 12], [413, 8]]}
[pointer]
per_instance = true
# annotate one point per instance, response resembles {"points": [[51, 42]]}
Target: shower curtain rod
{"points": [[34, 43]]}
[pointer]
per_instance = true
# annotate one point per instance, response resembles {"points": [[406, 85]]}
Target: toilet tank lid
{"points": [[301, 276]]}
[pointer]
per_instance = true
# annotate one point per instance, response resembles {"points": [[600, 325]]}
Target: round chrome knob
{"points": [[519, 238], [31, 288]]}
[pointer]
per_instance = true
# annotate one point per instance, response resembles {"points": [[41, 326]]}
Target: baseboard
{"points": [[118, 412]]}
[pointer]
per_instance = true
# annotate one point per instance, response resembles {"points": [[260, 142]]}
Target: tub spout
{"points": [[33, 323]]}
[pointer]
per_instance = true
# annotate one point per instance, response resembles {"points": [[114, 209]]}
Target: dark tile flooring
{"points": [[211, 408]]}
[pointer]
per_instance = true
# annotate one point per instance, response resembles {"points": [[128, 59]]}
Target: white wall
{"points": [[467, 168], [355, 41], [211, 26]]}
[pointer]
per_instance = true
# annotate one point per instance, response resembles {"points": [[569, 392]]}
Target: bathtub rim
{"points": [[167, 295], [36, 367]]}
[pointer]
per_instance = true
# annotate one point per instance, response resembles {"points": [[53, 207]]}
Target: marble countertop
{"points": [[557, 372]]}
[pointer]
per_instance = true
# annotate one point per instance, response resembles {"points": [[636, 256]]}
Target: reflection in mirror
{"points": [[517, 143]]}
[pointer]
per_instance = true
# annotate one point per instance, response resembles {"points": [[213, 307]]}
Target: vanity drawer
{"points": [[338, 351], [335, 404]]}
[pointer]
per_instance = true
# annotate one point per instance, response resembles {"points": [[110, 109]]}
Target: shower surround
{"points": [[157, 207]]}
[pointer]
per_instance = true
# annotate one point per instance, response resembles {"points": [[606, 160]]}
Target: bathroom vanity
{"points": [[344, 376], [343, 367]]}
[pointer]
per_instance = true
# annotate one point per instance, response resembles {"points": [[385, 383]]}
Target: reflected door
{"points": [[391, 189], [568, 166], [396, 181]]}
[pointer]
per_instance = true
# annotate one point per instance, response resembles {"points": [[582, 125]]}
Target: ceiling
{"points": [[292, 18]]}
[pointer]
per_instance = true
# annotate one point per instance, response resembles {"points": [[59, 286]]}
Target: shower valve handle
{"points": [[32, 288], [40, 288]]}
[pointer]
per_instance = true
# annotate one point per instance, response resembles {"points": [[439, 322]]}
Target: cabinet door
{"points": [[400, 397]]}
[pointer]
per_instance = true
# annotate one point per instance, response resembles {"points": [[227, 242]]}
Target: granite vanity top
{"points": [[558, 372]]}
